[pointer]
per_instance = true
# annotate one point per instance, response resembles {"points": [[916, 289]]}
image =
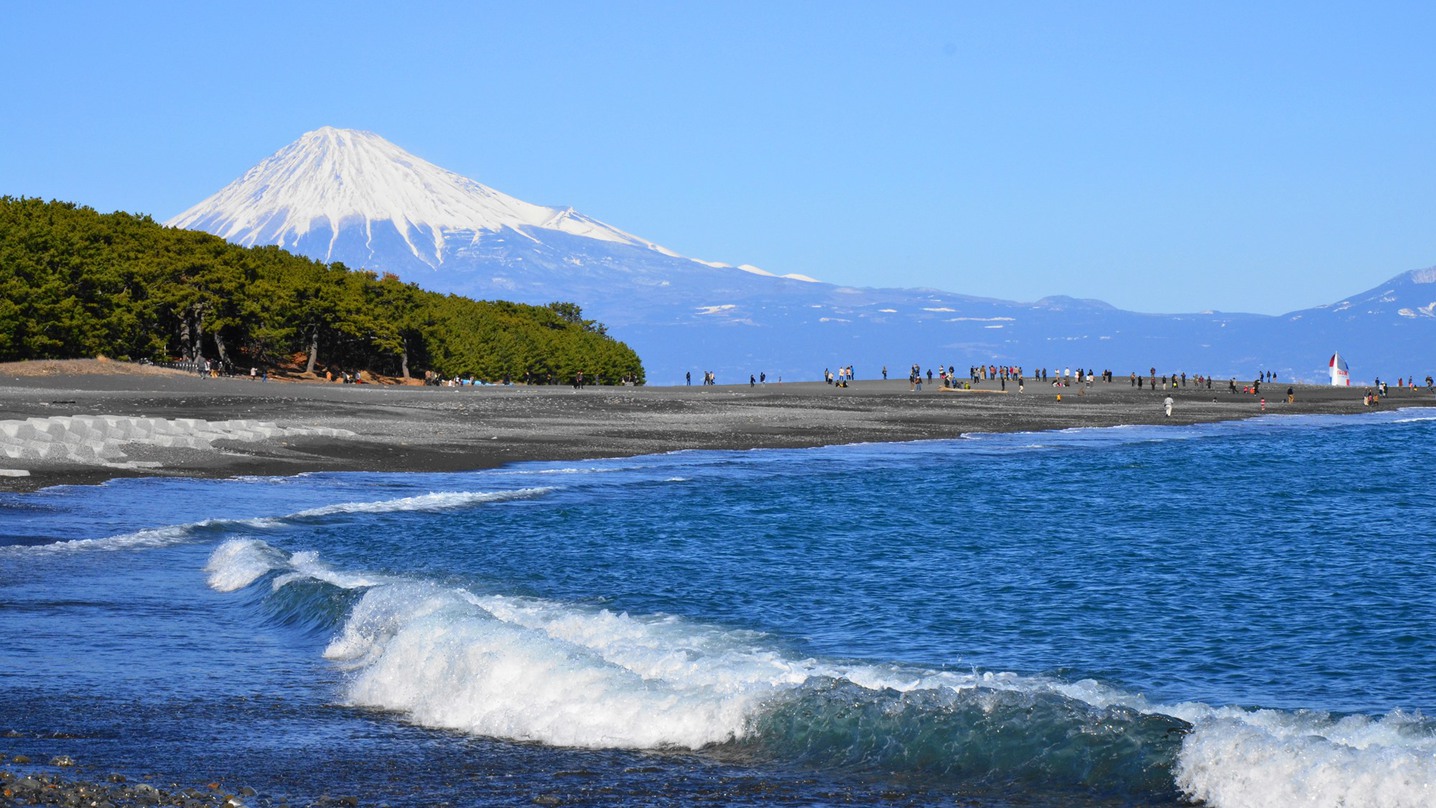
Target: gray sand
{"points": [[410, 428]]}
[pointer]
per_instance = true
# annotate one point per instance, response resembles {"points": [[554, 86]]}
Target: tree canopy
{"points": [[76, 283]]}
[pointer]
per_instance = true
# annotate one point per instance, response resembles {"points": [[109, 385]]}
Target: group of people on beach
{"points": [[948, 377], [1406, 382], [1171, 382]]}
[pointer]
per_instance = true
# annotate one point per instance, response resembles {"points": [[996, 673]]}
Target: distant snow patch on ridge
{"points": [[716, 309], [752, 270], [1427, 275]]}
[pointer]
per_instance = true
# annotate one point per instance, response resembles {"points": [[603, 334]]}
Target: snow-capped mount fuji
{"points": [[354, 197], [312, 195], [332, 179]]}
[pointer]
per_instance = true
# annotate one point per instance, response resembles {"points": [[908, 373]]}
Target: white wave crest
{"points": [[306, 565], [533, 671], [139, 539], [441, 501], [149, 538], [238, 563], [1237, 758]]}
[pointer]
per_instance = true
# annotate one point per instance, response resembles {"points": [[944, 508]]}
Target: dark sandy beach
{"points": [[410, 428]]}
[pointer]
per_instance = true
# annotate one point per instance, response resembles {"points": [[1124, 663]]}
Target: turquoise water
{"points": [[1239, 614]]}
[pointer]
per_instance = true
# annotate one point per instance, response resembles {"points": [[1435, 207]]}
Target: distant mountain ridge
{"points": [[350, 196]]}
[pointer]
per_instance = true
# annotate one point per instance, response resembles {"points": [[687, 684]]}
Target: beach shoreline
{"points": [[338, 427]]}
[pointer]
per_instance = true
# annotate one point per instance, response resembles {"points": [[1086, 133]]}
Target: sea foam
{"points": [[440, 501], [238, 563], [1237, 758], [438, 656]]}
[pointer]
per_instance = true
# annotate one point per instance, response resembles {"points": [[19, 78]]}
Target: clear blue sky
{"points": [[1160, 156]]}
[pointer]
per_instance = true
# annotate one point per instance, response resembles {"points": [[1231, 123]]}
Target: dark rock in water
{"points": [[20, 760], [62, 760]]}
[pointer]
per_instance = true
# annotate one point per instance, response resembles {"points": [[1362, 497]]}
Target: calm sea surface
{"points": [[1242, 614]]}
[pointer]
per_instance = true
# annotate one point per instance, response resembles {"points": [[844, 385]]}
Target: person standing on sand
{"points": [[1168, 404], [1290, 395]]}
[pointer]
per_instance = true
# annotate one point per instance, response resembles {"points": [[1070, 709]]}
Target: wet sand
{"points": [[411, 428]]}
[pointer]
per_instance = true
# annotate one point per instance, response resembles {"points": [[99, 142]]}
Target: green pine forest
{"points": [[76, 283]]}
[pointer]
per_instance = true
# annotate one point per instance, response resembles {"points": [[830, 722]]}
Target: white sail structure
{"points": [[1340, 375]]}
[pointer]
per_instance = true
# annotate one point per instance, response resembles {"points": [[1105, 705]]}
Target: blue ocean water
{"points": [[1234, 614]]}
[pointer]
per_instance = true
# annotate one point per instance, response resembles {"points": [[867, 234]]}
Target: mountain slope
{"points": [[342, 195], [332, 179]]}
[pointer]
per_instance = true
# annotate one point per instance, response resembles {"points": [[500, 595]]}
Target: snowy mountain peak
{"points": [[332, 179]]}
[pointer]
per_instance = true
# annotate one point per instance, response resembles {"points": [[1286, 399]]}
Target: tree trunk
{"points": [[219, 348], [184, 339], [313, 349], [197, 333], [404, 360]]}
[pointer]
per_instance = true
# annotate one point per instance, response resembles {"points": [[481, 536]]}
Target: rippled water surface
{"points": [[1236, 613]]}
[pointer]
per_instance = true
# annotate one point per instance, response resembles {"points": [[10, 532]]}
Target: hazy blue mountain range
{"points": [[350, 196]]}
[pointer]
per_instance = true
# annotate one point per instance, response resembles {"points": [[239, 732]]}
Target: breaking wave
{"points": [[535, 670]]}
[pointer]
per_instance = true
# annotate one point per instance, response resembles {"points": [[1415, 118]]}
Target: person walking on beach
{"points": [[1168, 404]]}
